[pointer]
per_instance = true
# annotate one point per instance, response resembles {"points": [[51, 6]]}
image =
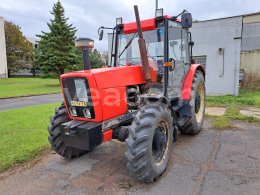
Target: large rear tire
{"points": [[197, 103], [55, 137], [149, 143]]}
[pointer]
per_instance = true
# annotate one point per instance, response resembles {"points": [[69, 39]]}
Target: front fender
{"points": [[187, 85]]}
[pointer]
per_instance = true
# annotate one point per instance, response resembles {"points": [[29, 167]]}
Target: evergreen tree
{"points": [[56, 52]]}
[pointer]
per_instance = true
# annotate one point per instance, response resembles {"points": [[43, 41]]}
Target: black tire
{"points": [[55, 137], [194, 125], [141, 142]]}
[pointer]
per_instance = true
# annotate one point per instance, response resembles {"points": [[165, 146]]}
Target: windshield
{"points": [[129, 54]]}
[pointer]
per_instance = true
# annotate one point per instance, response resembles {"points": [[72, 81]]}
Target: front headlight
{"points": [[73, 111], [86, 113]]}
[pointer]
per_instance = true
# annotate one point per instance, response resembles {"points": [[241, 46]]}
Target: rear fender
{"points": [[187, 85]]}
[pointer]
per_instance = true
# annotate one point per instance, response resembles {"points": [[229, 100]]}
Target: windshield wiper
{"points": [[127, 45]]}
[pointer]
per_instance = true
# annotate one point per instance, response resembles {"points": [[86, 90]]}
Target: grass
{"points": [[222, 123], [244, 99], [23, 134], [232, 113], [15, 87]]}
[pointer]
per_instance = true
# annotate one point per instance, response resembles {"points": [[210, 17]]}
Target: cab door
{"points": [[178, 53]]}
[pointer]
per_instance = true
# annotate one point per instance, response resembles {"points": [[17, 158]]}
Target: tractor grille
{"points": [[78, 98]]}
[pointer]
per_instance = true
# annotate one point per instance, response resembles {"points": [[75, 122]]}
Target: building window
{"points": [[201, 60]]}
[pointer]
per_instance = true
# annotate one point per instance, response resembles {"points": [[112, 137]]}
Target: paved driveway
{"points": [[213, 162], [13, 103]]}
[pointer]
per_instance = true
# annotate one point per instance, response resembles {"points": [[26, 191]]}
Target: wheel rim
{"points": [[160, 143], [200, 103]]}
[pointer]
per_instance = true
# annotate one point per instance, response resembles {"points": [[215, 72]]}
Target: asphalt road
{"points": [[213, 162], [14, 103]]}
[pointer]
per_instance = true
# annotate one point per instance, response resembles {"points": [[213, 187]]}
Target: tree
{"points": [[19, 50], [56, 52], [96, 60]]}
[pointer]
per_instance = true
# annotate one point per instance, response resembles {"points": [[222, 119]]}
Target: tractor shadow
{"points": [[109, 172]]}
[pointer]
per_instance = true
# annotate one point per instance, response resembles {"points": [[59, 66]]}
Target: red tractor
{"points": [[151, 89]]}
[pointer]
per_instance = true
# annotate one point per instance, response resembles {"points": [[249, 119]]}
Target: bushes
{"points": [[251, 81]]}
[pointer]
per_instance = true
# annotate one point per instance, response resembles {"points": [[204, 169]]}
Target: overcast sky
{"points": [[87, 16]]}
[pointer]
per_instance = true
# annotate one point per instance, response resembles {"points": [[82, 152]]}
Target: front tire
{"points": [[55, 137], [197, 103], [149, 143]]}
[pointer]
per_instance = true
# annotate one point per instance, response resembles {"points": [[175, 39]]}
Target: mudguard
{"points": [[186, 90]]}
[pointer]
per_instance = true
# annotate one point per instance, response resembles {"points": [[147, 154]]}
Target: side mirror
{"points": [[186, 20], [100, 34]]}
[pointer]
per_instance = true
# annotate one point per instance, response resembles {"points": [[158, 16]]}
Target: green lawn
{"points": [[244, 99], [23, 133], [15, 87]]}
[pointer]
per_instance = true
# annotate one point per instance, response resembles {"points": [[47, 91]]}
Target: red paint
{"points": [[149, 24], [186, 90], [169, 17], [113, 101], [107, 135], [153, 70], [118, 76]]}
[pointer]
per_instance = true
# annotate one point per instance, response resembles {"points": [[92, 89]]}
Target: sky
{"points": [[87, 16]]}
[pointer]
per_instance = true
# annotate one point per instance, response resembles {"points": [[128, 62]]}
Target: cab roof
{"points": [[146, 25]]}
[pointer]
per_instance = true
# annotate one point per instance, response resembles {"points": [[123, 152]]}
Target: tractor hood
{"points": [[118, 76], [112, 77]]}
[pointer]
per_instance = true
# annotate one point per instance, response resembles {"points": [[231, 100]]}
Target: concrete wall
{"points": [[250, 62], [250, 55], [3, 62], [251, 18], [220, 41]]}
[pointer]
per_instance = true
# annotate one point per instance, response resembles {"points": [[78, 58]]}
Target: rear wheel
{"points": [[55, 137], [197, 104], [149, 143]]}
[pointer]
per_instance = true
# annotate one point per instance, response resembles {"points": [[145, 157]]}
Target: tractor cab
{"points": [[168, 50]]}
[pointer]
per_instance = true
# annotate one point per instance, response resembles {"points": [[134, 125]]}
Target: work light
{"points": [[159, 13], [119, 21]]}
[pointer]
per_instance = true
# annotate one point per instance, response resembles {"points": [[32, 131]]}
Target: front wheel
{"points": [[197, 103], [149, 143], [55, 137]]}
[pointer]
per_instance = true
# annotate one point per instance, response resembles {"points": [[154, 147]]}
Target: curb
{"points": [[13, 97]]}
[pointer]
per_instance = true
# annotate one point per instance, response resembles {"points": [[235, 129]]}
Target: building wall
{"points": [[251, 18], [220, 41], [250, 54], [250, 62], [3, 62]]}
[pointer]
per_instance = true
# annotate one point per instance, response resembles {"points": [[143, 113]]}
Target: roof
{"points": [[243, 15]]}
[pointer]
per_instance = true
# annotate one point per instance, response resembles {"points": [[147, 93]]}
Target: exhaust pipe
{"points": [[143, 51]]}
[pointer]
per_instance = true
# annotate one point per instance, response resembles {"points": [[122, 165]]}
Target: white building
{"points": [[227, 46], [217, 47], [3, 60]]}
